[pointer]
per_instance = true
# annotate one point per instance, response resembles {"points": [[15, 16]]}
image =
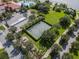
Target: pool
{"points": [[37, 30]]}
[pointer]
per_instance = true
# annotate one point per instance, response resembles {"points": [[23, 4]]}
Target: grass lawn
{"points": [[53, 17], [2, 28], [76, 57]]}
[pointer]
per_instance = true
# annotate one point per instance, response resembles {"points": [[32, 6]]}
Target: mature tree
{"points": [[56, 49], [23, 8], [32, 17], [13, 29], [74, 47], [59, 7], [48, 37], [6, 15], [42, 8], [70, 30], [29, 46], [65, 21], [10, 36], [70, 12], [67, 56], [18, 35], [64, 39], [63, 6], [41, 17], [26, 53]]}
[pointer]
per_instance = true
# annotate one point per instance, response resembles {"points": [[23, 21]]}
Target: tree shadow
{"points": [[64, 45], [72, 35], [7, 44], [54, 56], [15, 52]]}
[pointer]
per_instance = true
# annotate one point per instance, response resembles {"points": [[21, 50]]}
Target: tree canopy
{"points": [[48, 37], [65, 22]]}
